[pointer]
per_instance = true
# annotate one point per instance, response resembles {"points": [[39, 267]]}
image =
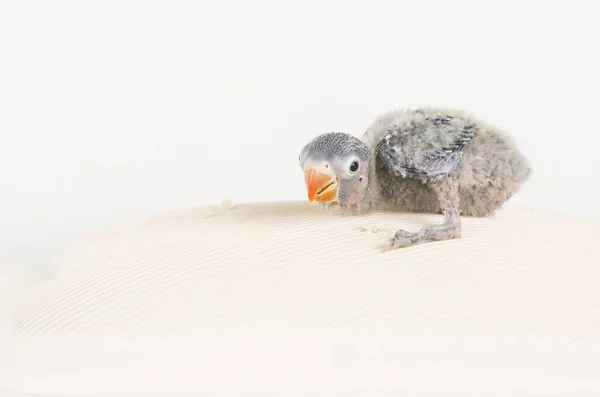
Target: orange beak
{"points": [[320, 186]]}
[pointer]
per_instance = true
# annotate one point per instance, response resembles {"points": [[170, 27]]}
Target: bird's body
{"points": [[488, 170], [421, 160]]}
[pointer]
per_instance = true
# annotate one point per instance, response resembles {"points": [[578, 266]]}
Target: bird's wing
{"points": [[425, 148]]}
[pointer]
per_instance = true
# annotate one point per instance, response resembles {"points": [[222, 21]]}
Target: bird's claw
{"points": [[402, 238]]}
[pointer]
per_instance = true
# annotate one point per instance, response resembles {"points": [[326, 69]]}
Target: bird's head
{"points": [[336, 168]]}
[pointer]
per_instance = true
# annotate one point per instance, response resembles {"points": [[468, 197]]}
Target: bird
{"points": [[420, 160]]}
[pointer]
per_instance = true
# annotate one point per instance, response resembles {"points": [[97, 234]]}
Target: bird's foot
{"points": [[446, 231], [402, 238], [449, 229]]}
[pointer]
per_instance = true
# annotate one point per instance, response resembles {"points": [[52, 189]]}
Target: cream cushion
{"points": [[284, 297], [15, 281]]}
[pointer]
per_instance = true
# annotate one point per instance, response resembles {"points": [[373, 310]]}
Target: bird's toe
{"points": [[402, 238]]}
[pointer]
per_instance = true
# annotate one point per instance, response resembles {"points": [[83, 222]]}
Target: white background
{"points": [[111, 110]]}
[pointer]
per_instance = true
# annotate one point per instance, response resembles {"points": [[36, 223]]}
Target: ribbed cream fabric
{"points": [[15, 281], [285, 297]]}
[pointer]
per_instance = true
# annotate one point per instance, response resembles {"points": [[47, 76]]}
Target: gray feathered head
{"points": [[336, 168]]}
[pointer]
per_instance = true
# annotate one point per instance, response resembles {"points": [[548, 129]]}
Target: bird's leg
{"points": [[452, 225], [450, 228]]}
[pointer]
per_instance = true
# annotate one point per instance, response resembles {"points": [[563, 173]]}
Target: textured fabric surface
{"points": [[15, 281], [263, 289]]}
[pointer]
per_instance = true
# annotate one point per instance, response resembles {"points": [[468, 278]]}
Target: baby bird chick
{"points": [[421, 160]]}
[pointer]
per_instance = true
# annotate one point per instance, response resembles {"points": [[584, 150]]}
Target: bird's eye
{"points": [[354, 167]]}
